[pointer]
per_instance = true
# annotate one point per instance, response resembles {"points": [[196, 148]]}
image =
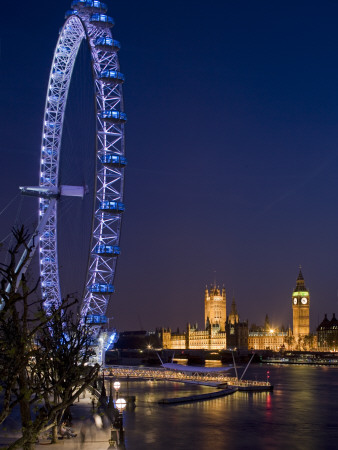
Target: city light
{"points": [[121, 404]]}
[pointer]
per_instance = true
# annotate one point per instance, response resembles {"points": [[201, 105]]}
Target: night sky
{"points": [[231, 144]]}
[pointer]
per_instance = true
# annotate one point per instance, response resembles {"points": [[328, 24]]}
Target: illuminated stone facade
{"points": [[228, 332], [300, 310], [267, 340], [192, 338], [327, 334], [269, 337], [220, 332], [215, 308], [214, 335]]}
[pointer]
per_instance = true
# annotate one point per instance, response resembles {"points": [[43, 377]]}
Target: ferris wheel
{"points": [[87, 20]]}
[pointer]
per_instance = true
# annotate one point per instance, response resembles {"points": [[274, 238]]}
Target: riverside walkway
{"points": [[95, 438]]}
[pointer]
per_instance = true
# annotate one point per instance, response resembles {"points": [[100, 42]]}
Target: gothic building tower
{"points": [[233, 316], [215, 308], [300, 309]]}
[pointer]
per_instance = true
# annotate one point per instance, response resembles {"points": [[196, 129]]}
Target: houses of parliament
{"points": [[227, 331]]}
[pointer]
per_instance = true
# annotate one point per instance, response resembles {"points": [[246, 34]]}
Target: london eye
{"points": [[87, 20]]}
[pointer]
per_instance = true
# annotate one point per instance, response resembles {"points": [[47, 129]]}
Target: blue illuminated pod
{"points": [[102, 20], [112, 76], [107, 44], [87, 21], [101, 288], [112, 207], [96, 319], [113, 160], [107, 250], [89, 5], [113, 116], [70, 13]]}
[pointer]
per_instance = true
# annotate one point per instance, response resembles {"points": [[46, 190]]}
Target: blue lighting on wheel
{"points": [[101, 288], [114, 160], [107, 250], [102, 18], [112, 206], [108, 42]]}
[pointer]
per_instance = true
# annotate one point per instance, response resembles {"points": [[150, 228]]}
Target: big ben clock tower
{"points": [[300, 309]]}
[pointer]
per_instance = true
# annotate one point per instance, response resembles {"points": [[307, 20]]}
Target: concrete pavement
{"points": [[89, 436]]}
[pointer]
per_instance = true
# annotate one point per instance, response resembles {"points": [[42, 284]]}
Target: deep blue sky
{"points": [[231, 142]]}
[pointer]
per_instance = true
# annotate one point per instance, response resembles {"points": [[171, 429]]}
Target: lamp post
{"points": [[111, 407], [103, 397], [121, 406], [111, 397]]}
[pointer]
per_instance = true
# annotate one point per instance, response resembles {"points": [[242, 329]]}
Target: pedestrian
{"points": [[98, 421], [82, 435], [66, 431], [93, 405]]}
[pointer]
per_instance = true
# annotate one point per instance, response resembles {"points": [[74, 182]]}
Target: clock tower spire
{"points": [[300, 309]]}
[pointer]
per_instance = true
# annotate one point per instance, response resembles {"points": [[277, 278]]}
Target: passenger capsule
{"points": [[113, 207], [113, 116], [71, 13], [102, 20], [101, 288], [112, 76], [107, 250], [91, 5], [107, 44], [95, 319], [113, 160]]}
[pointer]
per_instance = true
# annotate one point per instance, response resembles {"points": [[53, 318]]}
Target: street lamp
{"points": [[117, 386], [103, 397], [121, 406], [116, 440], [111, 400]]}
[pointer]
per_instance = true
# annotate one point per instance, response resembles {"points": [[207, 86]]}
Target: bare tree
{"points": [[68, 344], [43, 358]]}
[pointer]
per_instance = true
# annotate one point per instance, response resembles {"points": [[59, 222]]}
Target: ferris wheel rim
{"points": [[110, 160]]}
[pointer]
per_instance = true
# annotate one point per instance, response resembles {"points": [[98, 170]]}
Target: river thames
{"points": [[301, 413]]}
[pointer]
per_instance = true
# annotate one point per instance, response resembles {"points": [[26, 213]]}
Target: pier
{"points": [[215, 379]]}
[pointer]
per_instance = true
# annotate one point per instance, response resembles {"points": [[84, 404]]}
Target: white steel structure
{"points": [[87, 20]]}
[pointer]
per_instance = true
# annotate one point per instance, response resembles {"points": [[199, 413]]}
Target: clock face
{"points": [[295, 301], [304, 301]]}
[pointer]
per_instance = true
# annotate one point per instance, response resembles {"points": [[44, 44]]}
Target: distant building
{"points": [[220, 332], [215, 308], [327, 334], [214, 335], [268, 337], [193, 338], [236, 331], [300, 311]]}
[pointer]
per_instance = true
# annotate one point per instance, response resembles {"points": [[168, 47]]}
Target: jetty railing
{"points": [[171, 375]]}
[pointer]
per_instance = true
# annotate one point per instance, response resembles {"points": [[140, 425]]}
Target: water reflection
{"points": [[299, 414]]}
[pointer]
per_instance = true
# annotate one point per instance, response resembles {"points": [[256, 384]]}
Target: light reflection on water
{"points": [[301, 413]]}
